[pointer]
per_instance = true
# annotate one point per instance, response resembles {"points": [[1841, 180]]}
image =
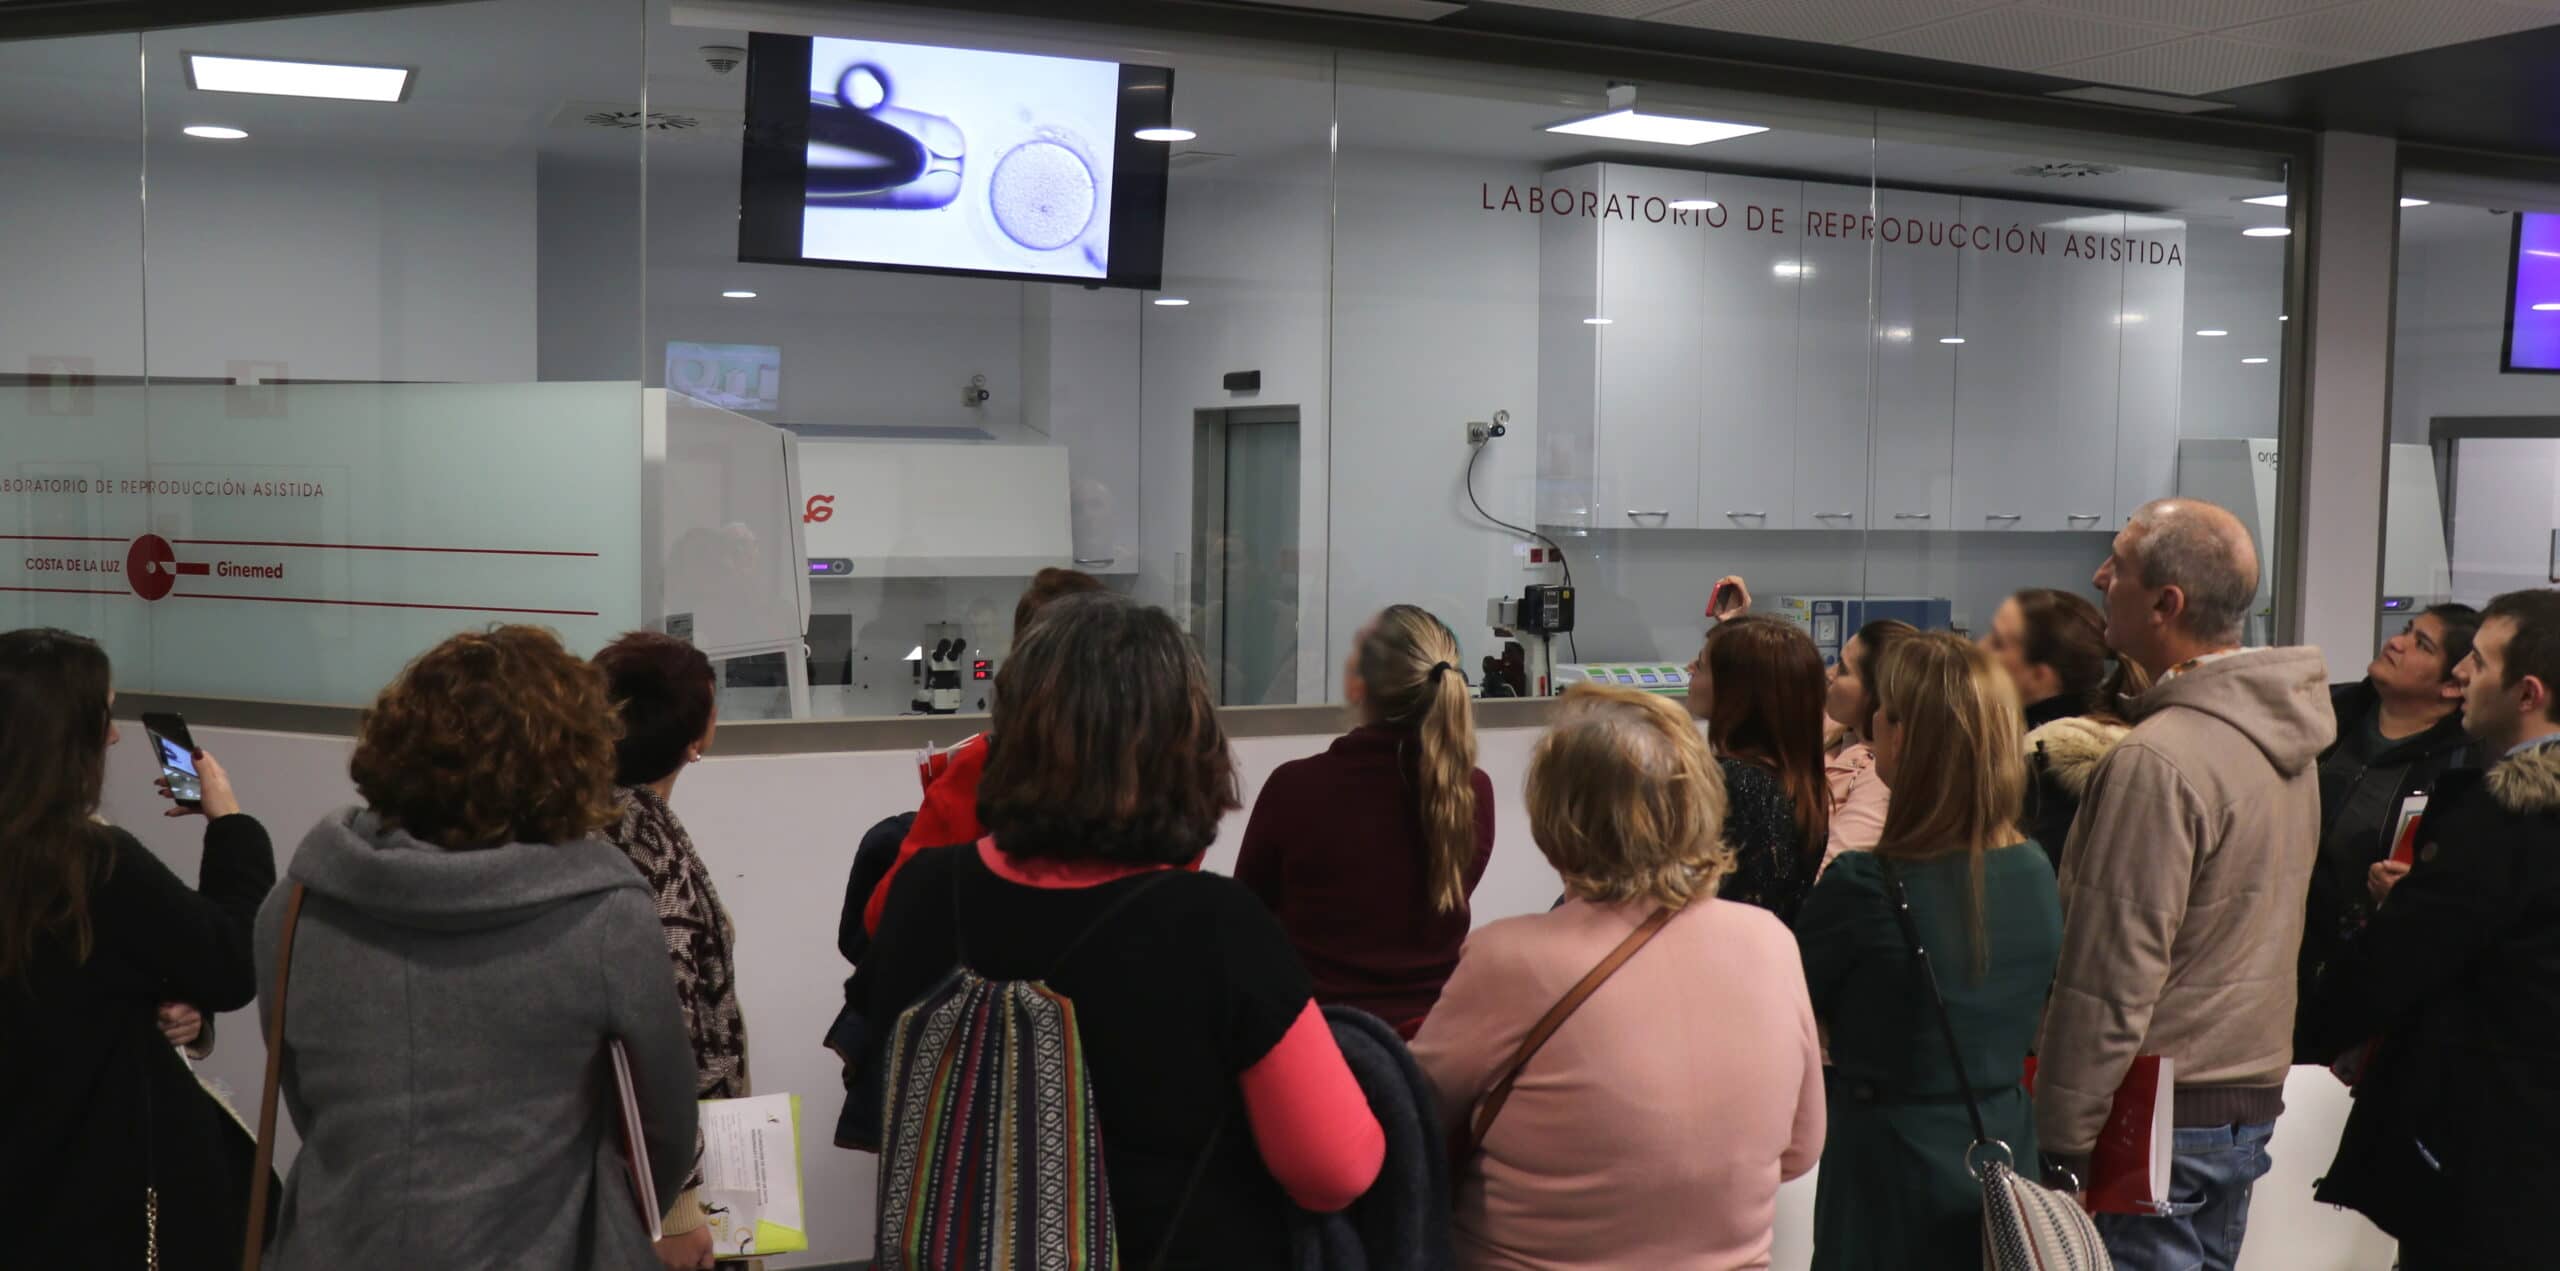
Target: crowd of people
{"points": [[2125, 835]]}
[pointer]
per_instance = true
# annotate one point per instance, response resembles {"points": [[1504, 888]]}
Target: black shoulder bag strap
{"points": [[1900, 899]]}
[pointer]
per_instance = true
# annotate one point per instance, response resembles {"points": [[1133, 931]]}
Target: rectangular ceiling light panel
{"points": [[214, 74], [1667, 130]]}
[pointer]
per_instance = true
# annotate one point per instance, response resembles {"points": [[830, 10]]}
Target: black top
{"points": [[2364, 780], [2459, 975], [96, 1099], [1773, 867], [1175, 996]]}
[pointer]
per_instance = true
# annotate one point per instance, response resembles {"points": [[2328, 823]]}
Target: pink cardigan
{"points": [[1653, 1130]]}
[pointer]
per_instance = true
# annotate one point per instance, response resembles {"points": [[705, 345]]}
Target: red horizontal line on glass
{"points": [[59, 538], [371, 547], [375, 604], [67, 591]]}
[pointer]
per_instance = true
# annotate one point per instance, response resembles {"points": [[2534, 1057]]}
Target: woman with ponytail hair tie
{"points": [[1368, 852]]}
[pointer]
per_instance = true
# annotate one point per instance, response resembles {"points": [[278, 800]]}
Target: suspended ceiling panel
{"points": [[2171, 46]]}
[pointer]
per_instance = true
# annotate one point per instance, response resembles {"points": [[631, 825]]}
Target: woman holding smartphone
{"points": [[108, 963]]}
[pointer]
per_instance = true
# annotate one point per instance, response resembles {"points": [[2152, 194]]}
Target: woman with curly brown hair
{"points": [[466, 948]]}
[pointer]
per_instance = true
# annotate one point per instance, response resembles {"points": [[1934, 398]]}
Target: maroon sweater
{"points": [[1335, 848]]}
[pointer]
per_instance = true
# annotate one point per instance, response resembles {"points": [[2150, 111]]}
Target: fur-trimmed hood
{"points": [[2072, 747], [2529, 784]]}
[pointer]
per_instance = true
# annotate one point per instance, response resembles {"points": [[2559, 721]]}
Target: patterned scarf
{"points": [[699, 938]]}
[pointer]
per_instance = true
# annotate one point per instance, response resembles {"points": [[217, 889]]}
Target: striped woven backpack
{"points": [[991, 1153]]}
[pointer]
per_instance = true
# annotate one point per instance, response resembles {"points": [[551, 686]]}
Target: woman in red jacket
{"points": [[1369, 852]]}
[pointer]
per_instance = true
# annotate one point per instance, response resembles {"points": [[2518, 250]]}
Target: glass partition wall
{"points": [[488, 351], [2470, 510]]}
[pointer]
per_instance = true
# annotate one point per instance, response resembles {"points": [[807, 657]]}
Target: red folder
{"points": [[2404, 843], [2129, 1166]]}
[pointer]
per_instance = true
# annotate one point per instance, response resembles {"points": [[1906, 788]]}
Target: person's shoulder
{"points": [[1862, 870], [2025, 860]]}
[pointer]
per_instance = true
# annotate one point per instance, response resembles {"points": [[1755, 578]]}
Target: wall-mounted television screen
{"points": [[729, 376], [2533, 294], [874, 155]]}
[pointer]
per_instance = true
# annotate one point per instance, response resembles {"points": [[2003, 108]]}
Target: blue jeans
{"points": [[2209, 1184]]}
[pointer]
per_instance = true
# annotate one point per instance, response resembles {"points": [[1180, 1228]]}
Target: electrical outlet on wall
{"points": [[1478, 432], [1536, 557]]}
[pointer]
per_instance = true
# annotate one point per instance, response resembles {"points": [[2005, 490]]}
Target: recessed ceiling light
{"points": [[1693, 205], [2265, 231], [211, 74], [1791, 269], [214, 132], [1165, 134], [1623, 122], [1950, 339], [1598, 322], [2267, 200], [2413, 202], [737, 295], [1171, 302], [2284, 317], [2211, 332], [2253, 361]]}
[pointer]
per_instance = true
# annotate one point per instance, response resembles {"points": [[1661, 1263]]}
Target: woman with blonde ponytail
{"points": [[1369, 851]]}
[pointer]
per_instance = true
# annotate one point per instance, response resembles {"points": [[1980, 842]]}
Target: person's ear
{"points": [[2533, 696], [2169, 604]]}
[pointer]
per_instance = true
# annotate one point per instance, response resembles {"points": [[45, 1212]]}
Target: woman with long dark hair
{"points": [[108, 964], [2072, 688], [1859, 797], [1896, 1191], [1214, 1075], [1368, 852], [1759, 682]]}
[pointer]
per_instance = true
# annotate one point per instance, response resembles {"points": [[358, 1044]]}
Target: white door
{"points": [[1915, 419], [1835, 345], [1649, 334], [1747, 297], [2036, 376]]}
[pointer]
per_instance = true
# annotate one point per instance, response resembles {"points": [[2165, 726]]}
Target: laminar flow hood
{"points": [[925, 509]]}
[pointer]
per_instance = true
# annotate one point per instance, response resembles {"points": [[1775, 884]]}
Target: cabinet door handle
{"points": [[1096, 560], [1636, 514], [1835, 516], [1913, 516], [2084, 516], [1739, 515], [2003, 516]]}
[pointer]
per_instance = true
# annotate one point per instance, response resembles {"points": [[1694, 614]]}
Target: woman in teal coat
{"points": [[1895, 1188]]}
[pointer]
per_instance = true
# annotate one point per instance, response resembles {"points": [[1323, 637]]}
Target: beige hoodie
{"points": [[2182, 894]]}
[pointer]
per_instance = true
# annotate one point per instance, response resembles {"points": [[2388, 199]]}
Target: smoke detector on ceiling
{"points": [[676, 121], [722, 58], [2066, 170]]}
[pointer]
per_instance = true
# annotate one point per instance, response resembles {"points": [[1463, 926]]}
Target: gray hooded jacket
{"points": [[445, 1054]]}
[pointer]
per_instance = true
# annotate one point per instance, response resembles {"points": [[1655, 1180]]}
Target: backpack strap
{"points": [[960, 917]]}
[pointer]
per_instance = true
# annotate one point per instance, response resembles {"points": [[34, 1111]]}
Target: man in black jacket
{"points": [[2454, 1144], [2399, 729]]}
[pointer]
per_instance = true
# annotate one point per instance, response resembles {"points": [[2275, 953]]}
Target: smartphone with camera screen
{"points": [[177, 753]]}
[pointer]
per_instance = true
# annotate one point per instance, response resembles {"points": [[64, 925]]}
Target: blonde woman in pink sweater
{"points": [[1654, 1126]]}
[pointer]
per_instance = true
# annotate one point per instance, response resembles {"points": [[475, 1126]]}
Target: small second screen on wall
{"points": [[741, 377]]}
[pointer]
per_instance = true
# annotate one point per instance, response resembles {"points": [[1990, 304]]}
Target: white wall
{"points": [[779, 833], [338, 265]]}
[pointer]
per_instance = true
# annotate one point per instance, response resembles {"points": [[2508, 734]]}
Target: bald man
{"points": [[2184, 883]]}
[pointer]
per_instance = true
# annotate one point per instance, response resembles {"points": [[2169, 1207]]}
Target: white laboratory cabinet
{"points": [[1760, 374]]}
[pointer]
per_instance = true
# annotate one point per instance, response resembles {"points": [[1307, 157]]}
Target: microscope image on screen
{"points": [[959, 158]]}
